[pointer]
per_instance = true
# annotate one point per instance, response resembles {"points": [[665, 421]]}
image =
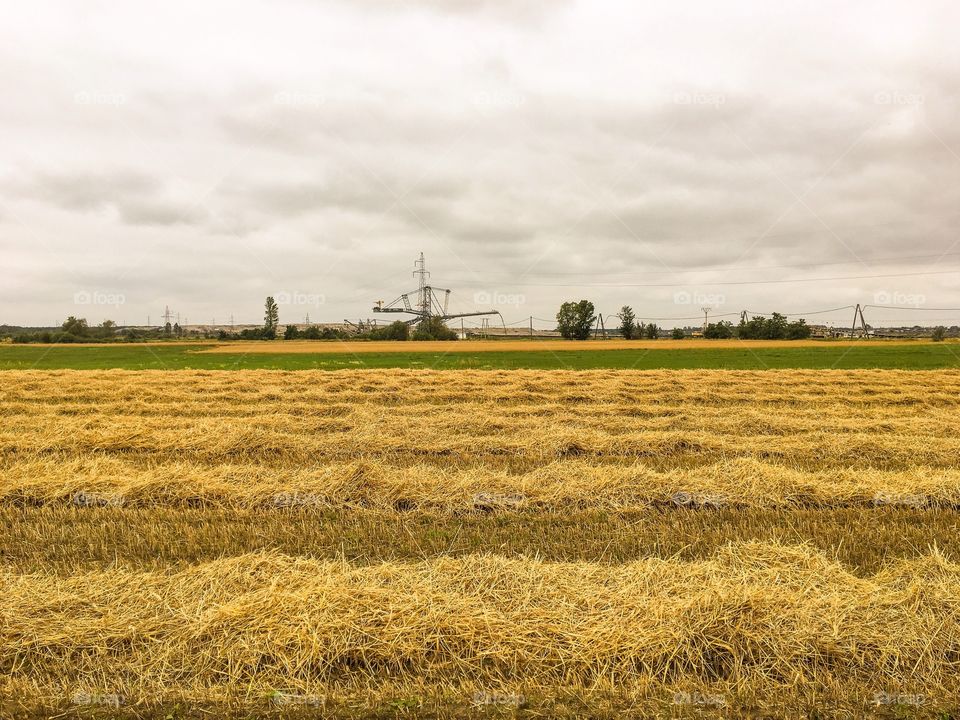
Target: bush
{"points": [[651, 331], [678, 334], [291, 333], [939, 333]]}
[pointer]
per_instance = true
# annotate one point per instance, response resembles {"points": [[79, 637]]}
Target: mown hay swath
{"points": [[776, 614]]}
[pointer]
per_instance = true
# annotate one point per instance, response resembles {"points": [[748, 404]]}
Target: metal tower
{"points": [[428, 303]]}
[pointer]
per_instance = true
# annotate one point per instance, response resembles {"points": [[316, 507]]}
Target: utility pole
{"points": [[706, 318], [148, 321], [531, 326], [231, 322]]}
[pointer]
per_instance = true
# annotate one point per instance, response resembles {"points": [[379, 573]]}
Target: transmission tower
{"points": [[167, 315], [706, 318], [864, 332]]}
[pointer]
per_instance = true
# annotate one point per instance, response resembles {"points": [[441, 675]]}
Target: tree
{"points": [[433, 328], [575, 320], [776, 327], [107, 329], [291, 333], [397, 330], [678, 334], [939, 333], [167, 330], [75, 326], [628, 323], [652, 331], [722, 330], [177, 330], [271, 318], [798, 330]]}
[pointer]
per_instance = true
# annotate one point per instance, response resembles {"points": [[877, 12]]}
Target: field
{"points": [[480, 542], [485, 355]]}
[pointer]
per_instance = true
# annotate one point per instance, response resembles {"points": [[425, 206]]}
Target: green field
{"points": [[922, 356]]}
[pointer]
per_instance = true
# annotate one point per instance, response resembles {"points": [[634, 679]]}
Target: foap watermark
{"points": [[88, 97], [695, 297], [711, 99], [699, 699], [87, 498], [100, 699], [495, 299], [297, 499], [895, 297], [885, 698], [97, 297], [895, 97], [300, 298], [296, 699], [486, 697], [299, 99], [493, 99]]}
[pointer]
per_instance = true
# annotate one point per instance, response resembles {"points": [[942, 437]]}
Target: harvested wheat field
{"points": [[550, 543]]}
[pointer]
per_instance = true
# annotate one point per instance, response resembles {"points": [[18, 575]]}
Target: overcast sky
{"points": [[742, 155]]}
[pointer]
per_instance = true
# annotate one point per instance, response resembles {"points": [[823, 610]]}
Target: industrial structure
{"points": [[428, 303]]}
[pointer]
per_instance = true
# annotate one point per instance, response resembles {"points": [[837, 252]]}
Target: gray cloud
{"points": [[549, 150]]}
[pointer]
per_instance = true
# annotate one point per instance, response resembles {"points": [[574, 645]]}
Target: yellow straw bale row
{"points": [[755, 612]]}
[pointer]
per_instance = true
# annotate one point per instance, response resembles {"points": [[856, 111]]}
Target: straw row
{"points": [[571, 484], [755, 612]]}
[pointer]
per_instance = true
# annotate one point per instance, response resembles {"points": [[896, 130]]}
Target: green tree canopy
{"points": [[575, 319]]}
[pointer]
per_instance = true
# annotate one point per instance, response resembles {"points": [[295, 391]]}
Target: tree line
{"points": [[577, 319]]}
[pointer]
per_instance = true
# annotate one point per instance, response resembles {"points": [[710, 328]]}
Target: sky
{"points": [[789, 156]]}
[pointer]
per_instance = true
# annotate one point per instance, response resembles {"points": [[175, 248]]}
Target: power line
{"points": [[730, 268], [709, 283], [812, 312], [897, 307]]}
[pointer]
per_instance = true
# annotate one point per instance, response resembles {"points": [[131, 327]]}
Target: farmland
{"points": [[487, 355], [465, 542]]}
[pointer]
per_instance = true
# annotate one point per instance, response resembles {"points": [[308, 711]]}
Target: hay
{"points": [[384, 486], [557, 439], [764, 613]]}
